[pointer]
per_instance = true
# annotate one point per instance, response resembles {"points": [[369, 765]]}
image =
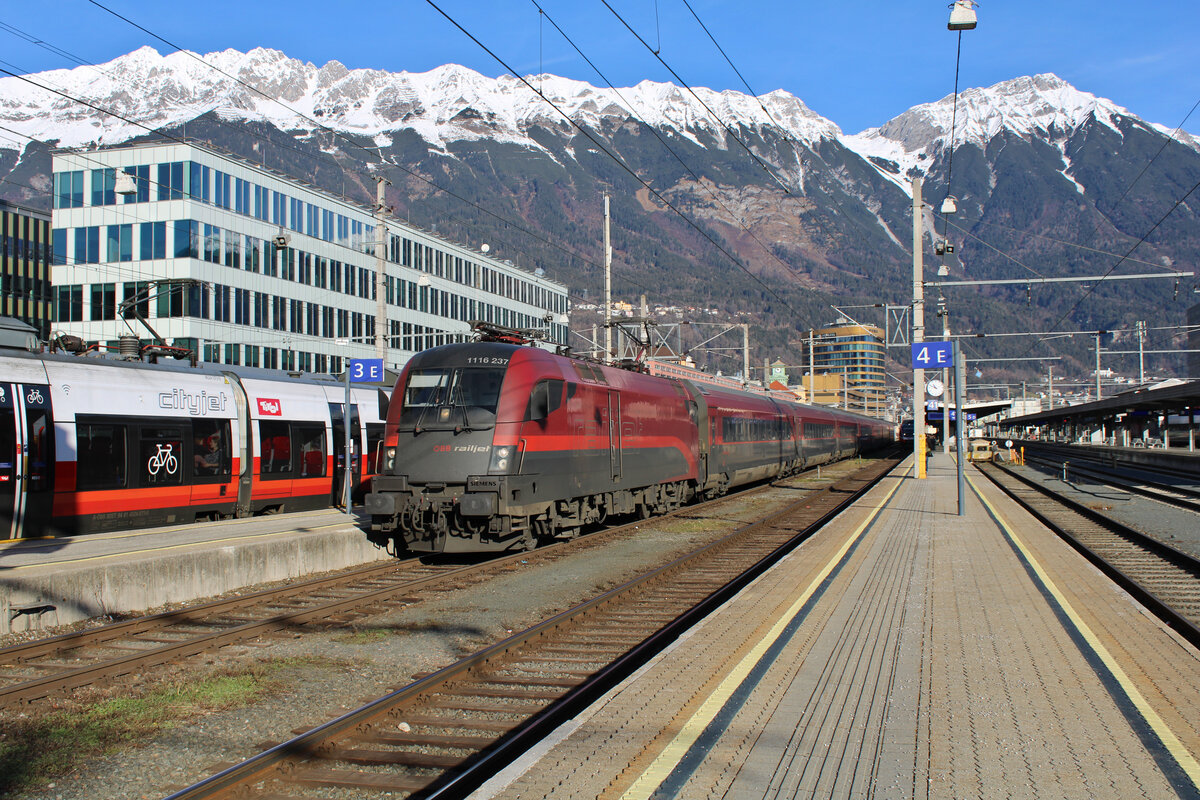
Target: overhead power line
{"points": [[617, 160]]}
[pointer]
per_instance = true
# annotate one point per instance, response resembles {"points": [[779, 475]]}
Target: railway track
{"points": [[446, 733], [1098, 470], [44, 667], [1164, 579]]}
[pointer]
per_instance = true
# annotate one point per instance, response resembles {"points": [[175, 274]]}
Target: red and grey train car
{"points": [[92, 444], [494, 445]]}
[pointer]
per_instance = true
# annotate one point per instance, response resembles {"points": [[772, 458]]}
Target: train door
{"points": [[614, 433], [339, 448], [26, 459], [245, 449]]}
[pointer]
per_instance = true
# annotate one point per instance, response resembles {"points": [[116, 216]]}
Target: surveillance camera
{"points": [[281, 241]]}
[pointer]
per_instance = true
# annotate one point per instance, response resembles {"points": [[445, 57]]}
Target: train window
{"points": [[40, 450], [374, 444], [100, 459], [310, 443], [590, 372], [210, 448], [274, 449], [160, 455], [545, 398], [447, 398]]}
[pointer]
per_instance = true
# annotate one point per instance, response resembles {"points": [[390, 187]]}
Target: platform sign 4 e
{"points": [[366, 370], [932, 355]]}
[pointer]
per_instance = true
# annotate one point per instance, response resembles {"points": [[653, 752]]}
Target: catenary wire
{"points": [[666, 145], [615, 158], [333, 132]]}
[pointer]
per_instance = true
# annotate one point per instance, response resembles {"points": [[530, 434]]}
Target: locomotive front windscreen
{"points": [[451, 396]]}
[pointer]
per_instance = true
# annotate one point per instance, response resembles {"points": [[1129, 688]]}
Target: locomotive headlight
{"points": [[389, 459], [502, 459]]}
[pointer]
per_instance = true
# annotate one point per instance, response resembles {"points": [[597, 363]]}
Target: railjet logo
{"points": [[198, 404], [269, 407]]}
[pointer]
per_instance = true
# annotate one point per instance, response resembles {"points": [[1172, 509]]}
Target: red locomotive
{"points": [[494, 445]]}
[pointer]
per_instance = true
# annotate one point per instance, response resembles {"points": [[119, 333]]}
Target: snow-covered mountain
{"points": [[829, 219], [1043, 107], [445, 105]]}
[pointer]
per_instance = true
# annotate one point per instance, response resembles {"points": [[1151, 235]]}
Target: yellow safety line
{"points": [[162, 548], [1182, 756], [658, 771]]}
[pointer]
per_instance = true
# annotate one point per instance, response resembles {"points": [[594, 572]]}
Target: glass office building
{"points": [[243, 265], [25, 280], [856, 352]]}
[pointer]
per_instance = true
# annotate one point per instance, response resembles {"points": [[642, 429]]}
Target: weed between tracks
{"points": [[43, 746]]}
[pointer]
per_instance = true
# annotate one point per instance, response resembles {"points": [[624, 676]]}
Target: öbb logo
{"points": [[269, 407]]}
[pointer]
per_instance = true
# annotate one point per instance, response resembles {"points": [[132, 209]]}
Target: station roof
{"points": [[1165, 398]]}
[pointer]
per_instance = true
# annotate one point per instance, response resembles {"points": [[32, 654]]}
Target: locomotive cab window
{"points": [[545, 399], [449, 398]]}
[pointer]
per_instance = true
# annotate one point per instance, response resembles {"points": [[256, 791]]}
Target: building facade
{"points": [[246, 266], [25, 256], [856, 352]]}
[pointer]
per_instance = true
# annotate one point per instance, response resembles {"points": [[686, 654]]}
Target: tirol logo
{"points": [[269, 407]]}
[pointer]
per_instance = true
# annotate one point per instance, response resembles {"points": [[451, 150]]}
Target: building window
{"points": [[69, 304], [187, 238], [170, 181], [103, 183], [87, 245], [153, 240], [120, 243], [68, 189], [104, 301], [135, 297], [59, 249]]}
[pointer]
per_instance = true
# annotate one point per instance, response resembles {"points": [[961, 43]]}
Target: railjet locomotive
{"points": [[494, 445]]}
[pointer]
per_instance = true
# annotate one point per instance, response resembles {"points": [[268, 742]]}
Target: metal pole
{"points": [[381, 322], [945, 387], [960, 380], [918, 327], [348, 472], [1141, 334], [1098, 366], [745, 353], [812, 371], [607, 288], [1050, 384]]}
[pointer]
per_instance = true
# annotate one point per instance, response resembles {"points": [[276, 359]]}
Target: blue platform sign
{"points": [[366, 370], [932, 355]]}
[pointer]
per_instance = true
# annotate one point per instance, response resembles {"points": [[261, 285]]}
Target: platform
{"points": [[56, 581], [902, 652]]}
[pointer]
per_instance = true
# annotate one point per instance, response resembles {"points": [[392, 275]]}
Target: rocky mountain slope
{"points": [[1050, 181]]}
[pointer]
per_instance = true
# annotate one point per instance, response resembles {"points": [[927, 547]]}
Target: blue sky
{"points": [[857, 63]]}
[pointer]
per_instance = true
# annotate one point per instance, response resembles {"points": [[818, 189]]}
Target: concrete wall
{"points": [[140, 582]]}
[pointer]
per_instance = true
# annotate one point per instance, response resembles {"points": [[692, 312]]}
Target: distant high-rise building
{"points": [[25, 280], [242, 265], [856, 352]]}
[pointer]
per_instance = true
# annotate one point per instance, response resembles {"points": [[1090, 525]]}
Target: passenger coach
{"points": [[92, 444]]}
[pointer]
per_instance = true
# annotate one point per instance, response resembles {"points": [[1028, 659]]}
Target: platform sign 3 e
{"points": [[366, 370], [932, 355]]}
